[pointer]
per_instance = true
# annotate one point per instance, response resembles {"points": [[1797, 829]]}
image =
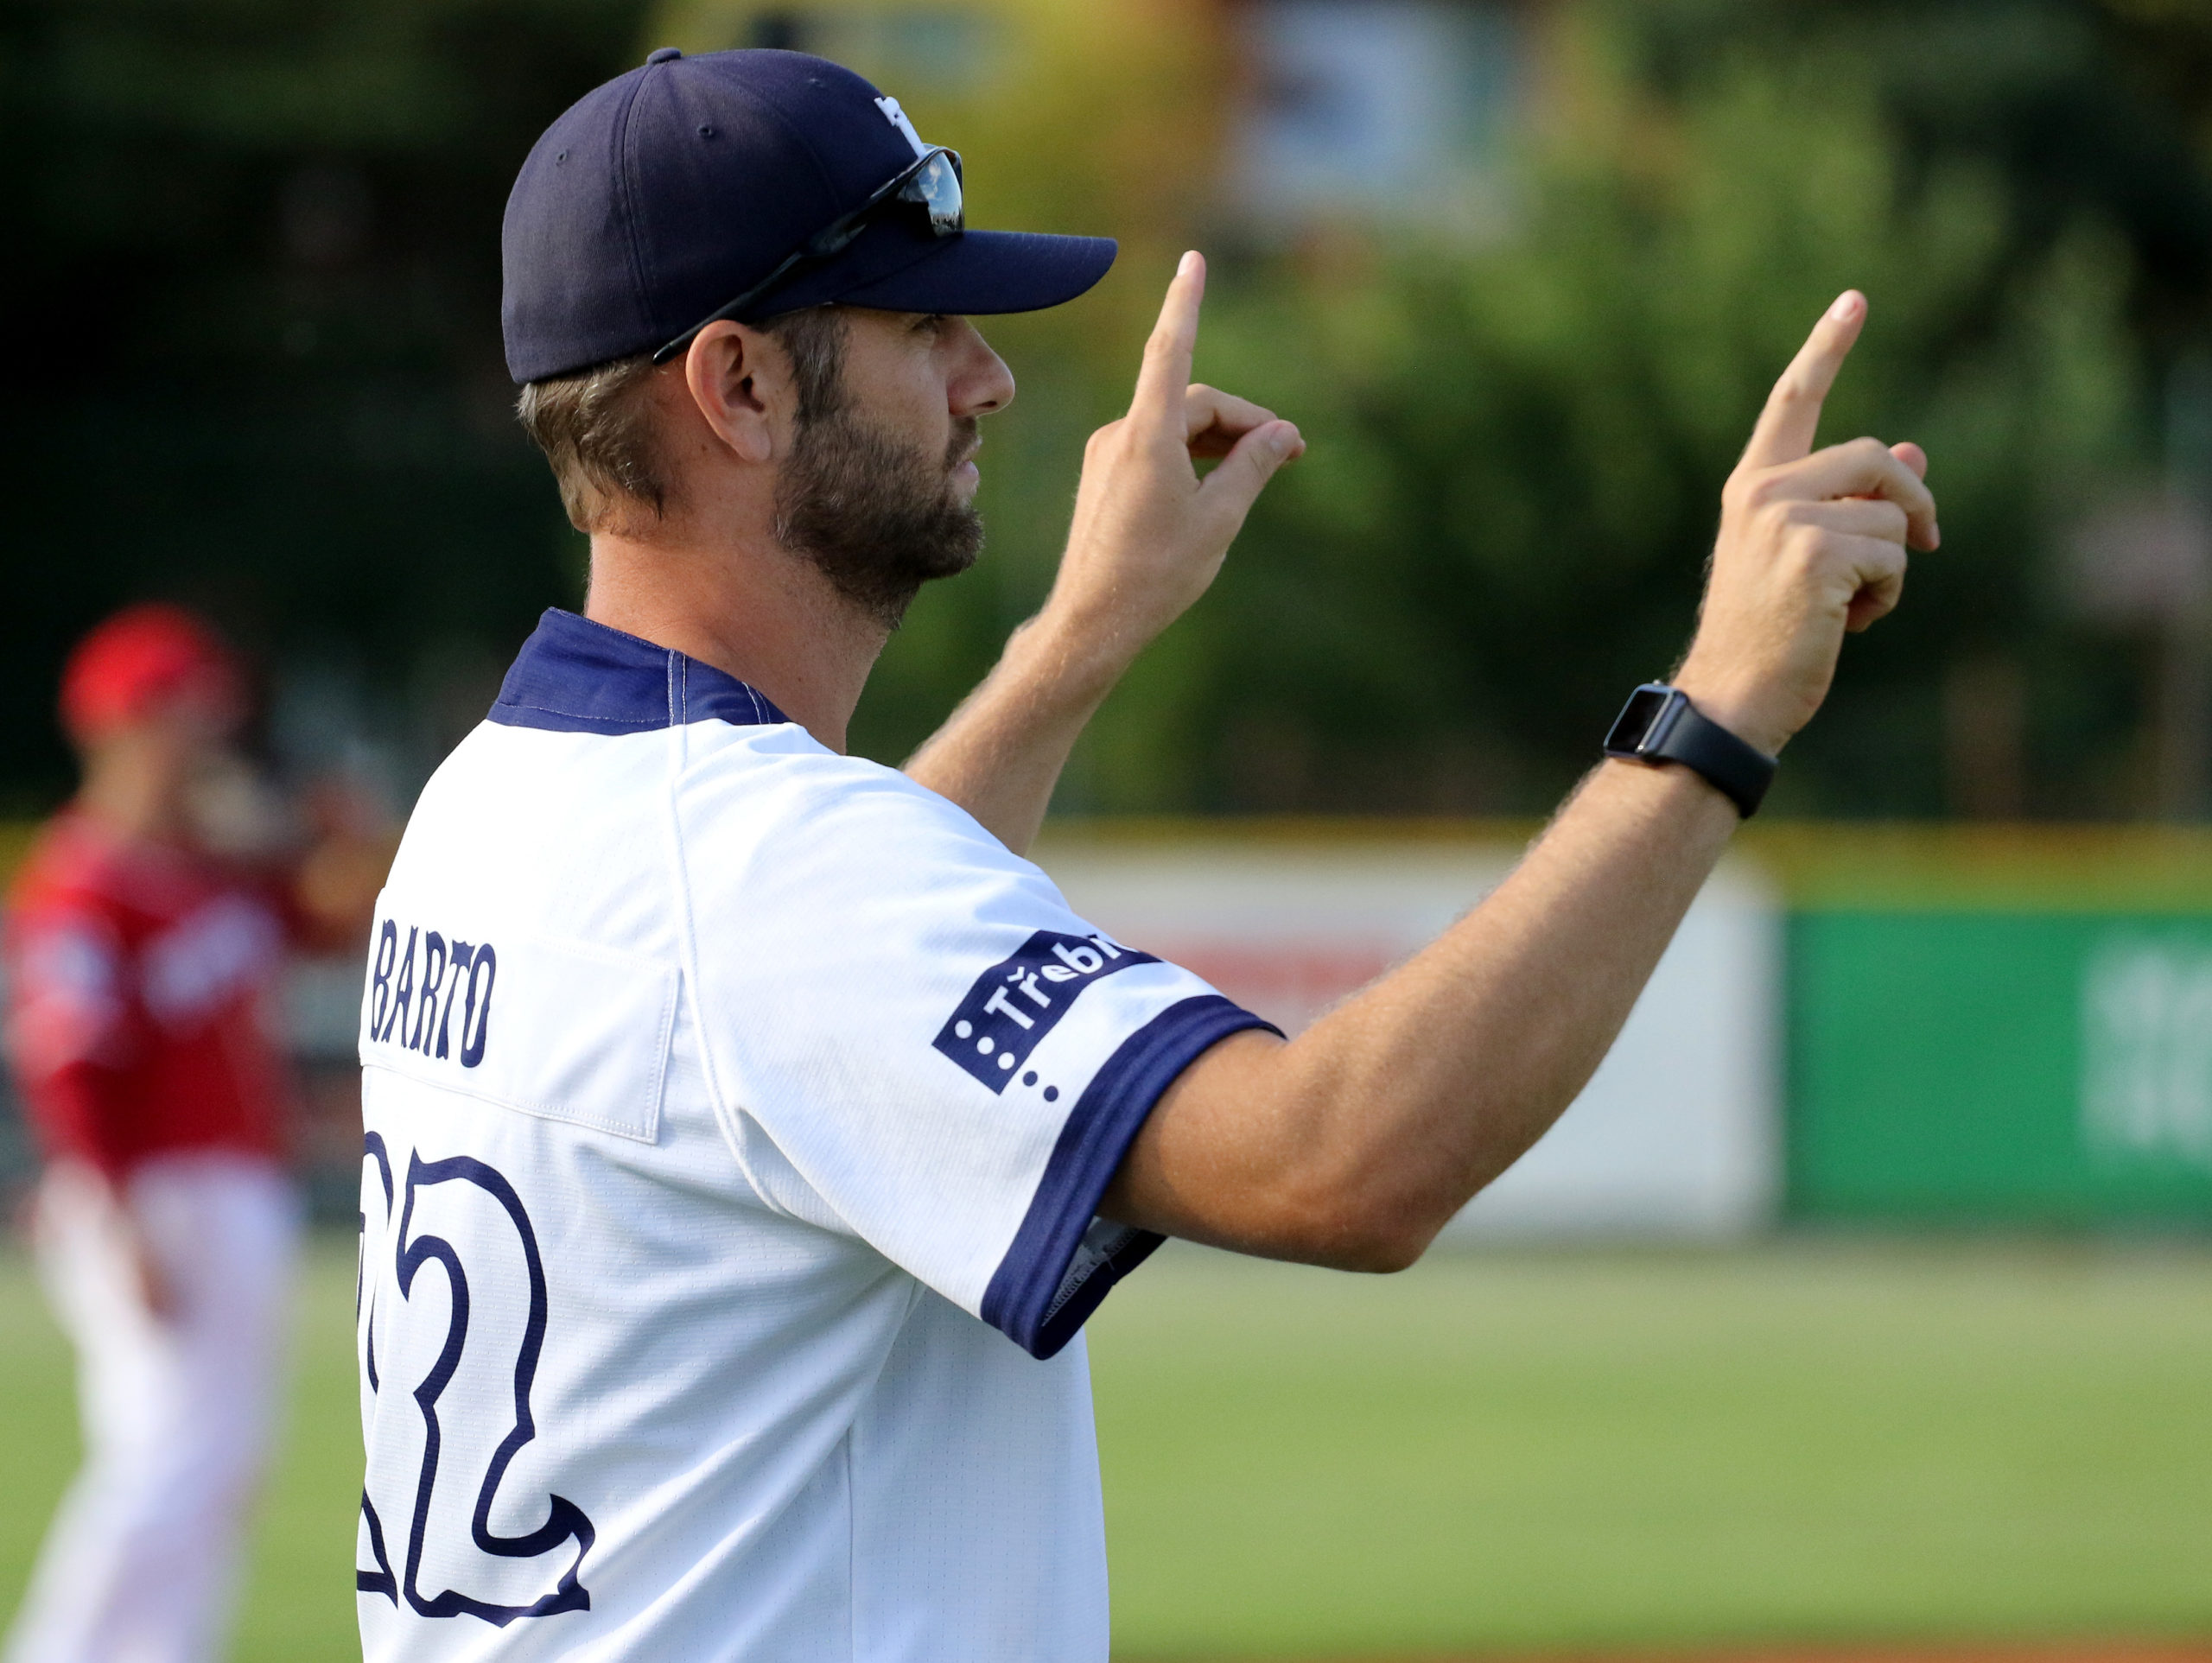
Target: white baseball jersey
{"points": [[737, 1114]]}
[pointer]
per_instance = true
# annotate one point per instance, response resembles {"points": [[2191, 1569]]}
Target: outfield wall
{"points": [[1676, 1135], [2006, 1026], [1881, 1025], [2000, 1065], [1998, 1027]]}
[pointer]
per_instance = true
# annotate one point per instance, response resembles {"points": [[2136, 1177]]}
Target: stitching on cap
{"points": [[574, 715], [797, 135], [626, 183]]}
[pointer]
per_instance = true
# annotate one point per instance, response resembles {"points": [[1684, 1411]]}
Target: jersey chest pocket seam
{"points": [[646, 1130], [569, 1031]]}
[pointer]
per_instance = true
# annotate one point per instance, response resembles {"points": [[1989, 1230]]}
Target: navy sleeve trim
{"points": [[1041, 1294]]}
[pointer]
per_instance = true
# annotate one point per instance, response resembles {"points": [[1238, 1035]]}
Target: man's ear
{"points": [[734, 380]]}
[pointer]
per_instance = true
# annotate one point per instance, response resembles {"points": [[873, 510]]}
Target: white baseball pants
{"points": [[141, 1562]]}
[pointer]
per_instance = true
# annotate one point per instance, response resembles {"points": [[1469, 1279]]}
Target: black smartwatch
{"points": [[1659, 724]]}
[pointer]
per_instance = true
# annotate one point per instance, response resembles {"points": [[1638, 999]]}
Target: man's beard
{"points": [[878, 517]]}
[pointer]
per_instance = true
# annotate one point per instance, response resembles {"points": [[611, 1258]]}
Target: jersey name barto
{"points": [[414, 1008]]}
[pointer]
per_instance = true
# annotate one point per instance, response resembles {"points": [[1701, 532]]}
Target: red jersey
{"points": [[139, 979]]}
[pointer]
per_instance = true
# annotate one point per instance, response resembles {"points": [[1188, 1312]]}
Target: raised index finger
{"points": [[1792, 416], [1165, 375]]}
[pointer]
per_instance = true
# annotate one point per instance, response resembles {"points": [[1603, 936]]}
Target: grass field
{"points": [[1810, 1443]]}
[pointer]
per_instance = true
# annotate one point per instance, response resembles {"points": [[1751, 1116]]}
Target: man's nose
{"points": [[981, 383]]}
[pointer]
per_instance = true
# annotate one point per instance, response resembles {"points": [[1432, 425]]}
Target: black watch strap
{"points": [[1659, 724]]}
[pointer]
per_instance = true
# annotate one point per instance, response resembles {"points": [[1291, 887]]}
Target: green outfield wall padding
{"points": [[1982, 1066]]}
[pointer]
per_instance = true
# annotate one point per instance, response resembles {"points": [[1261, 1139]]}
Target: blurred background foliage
{"points": [[1525, 313], [1518, 453]]}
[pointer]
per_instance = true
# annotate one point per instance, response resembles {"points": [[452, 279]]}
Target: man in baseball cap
{"points": [[728, 1232], [703, 237], [750, 1129]]}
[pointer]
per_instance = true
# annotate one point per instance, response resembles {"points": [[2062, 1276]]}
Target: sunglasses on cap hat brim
{"points": [[932, 183]]}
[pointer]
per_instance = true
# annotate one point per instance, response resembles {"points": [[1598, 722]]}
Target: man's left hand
{"points": [[1149, 536], [1150, 533]]}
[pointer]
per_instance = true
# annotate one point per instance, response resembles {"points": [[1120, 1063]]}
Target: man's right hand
{"points": [[1812, 545], [74, 1186], [1149, 534], [151, 1281]]}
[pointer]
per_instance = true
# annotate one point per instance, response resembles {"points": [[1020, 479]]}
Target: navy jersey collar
{"points": [[575, 676]]}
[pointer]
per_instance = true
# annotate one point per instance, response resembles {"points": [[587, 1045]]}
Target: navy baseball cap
{"points": [[655, 198]]}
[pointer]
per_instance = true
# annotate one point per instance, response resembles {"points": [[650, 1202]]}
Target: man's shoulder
{"points": [[72, 869], [530, 822], [54, 869], [780, 785], [574, 785], [529, 781]]}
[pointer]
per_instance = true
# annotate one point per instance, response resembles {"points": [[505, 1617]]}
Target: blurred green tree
{"points": [[1517, 454], [255, 280], [1518, 447], [252, 277], [1105, 118]]}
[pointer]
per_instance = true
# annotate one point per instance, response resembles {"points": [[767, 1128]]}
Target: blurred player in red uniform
{"points": [[141, 969]]}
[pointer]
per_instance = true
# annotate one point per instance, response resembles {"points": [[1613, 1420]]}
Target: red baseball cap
{"points": [[144, 659]]}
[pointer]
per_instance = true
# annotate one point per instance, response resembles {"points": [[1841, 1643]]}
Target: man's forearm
{"points": [[1382, 1120], [1353, 1144], [999, 754]]}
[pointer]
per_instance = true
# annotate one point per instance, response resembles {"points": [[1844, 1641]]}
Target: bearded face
{"points": [[879, 515]]}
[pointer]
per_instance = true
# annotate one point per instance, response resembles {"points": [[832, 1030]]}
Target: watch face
{"points": [[1634, 726]]}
